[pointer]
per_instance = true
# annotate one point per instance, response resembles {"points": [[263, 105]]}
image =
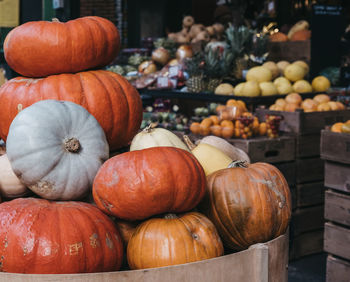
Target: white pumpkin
{"points": [[10, 185], [230, 150], [56, 149], [156, 137]]}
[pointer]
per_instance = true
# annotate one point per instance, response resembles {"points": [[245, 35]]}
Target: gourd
{"points": [[139, 184], [42, 48], [10, 185], [155, 137], [248, 204], [230, 150], [41, 236], [173, 240], [56, 148], [210, 157], [109, 97]]}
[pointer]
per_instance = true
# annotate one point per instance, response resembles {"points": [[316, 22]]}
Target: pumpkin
{"points": [[210, 157], [230, 150], [10, 185], [56, 148], [248, 204], [109, 97], [173, 240], [156, 137], [126, 229], [278, 37], [42, 48], [41, 236], [139, 184]]}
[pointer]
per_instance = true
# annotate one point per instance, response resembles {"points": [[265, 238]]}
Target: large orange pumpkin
{"points": [[39, 236], [136, 185], [109, 97], [42, 48], [248, 205], [173, 240]]}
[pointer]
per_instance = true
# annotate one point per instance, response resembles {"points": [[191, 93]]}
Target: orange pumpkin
{"points": [[139, 184], [108, 96], [173, 240], [41, 236], [278, 37], [42, 48], [248, 204]]}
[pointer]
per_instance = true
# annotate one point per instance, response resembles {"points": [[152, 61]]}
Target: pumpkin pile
{"points": [[294, 101], [231, 121], [78, 210], [341, 127]]}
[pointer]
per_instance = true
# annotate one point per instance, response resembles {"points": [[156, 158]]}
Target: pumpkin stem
{"points": [[189, 143], [72, 145], [150, 127], [238, 163], [55, 20], [170, 216]]}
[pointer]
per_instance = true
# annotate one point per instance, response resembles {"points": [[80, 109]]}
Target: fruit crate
{"points": [[290, 51], [306, 244], [335, 146], [309, 170], [302, 123], [267, 262], [337, 269]]}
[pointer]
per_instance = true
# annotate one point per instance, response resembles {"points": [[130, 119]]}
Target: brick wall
{"points": [[101, 8]]}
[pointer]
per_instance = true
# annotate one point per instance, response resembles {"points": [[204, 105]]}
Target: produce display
{"points": [[298, 32], [294, 101], [341, 127]]}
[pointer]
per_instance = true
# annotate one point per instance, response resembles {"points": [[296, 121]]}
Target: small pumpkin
{"points": [[173, 240], [41, 236], [139, 184], [156, 137], [10, 185], [210, 157], [56, 148], [230, 150], [248, 204], [109, 97], [42, 48]]}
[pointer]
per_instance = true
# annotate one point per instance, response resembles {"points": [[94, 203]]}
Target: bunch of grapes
{"points": [[273, 124], [244, 127]]}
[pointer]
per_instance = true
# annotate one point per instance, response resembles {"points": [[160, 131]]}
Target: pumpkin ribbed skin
{"points": [[248, 205], [39, 236], [175, 240], [109, 97], [42, 48], [136, 185]]}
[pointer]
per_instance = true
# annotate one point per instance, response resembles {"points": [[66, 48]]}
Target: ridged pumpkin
{"points": [[139, 184], [109, 97], [42, 48], [39, 236], [173, 240], [56, 148], [248, 205]]}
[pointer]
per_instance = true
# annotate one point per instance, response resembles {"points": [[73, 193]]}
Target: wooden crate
{"points": [[309, 194], [302, 123], [337, 207], [306, 244], [264, 149], [288, 170], [335, 146], [307, 145], [337, 176], [337, 240], [306, 220], [309, 170], [260, 263], [293, 191], [289, 51], [338, 270]]}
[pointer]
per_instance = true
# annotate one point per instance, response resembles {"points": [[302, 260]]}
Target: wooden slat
{"points": [[306, 244], [335, 146], [289, 51], [310, 194], [337, 207], [308, 145], [338, 270], [337, 240], [337, 176], [307, 219], [309, 170]]}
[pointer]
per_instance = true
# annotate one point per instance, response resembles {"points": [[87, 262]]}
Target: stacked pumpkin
{"points": [[58, 141]]}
